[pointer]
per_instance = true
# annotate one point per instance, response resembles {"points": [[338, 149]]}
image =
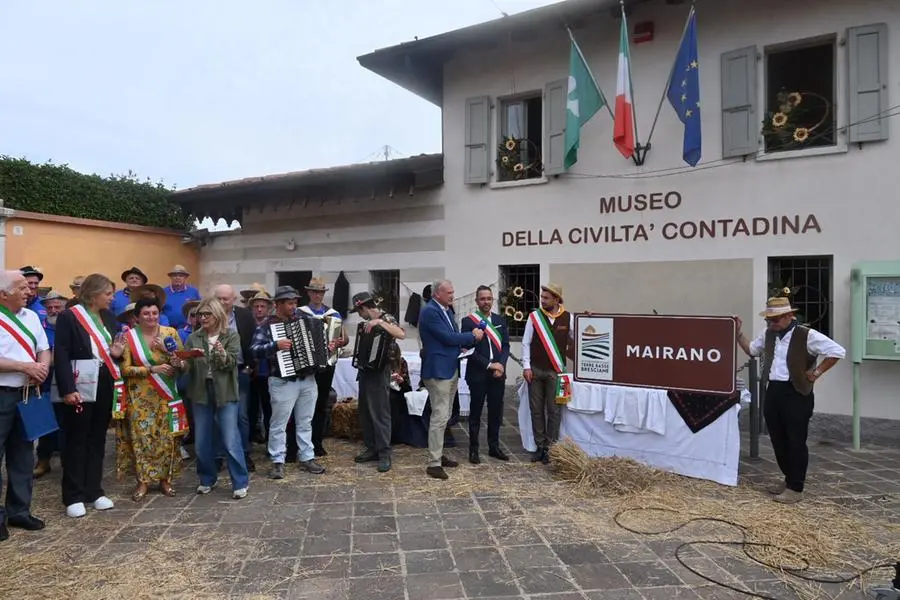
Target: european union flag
{"points": [[684, 92]]}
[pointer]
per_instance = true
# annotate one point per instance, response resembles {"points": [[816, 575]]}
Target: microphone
{"points": [[483, 325], [170, 344]]}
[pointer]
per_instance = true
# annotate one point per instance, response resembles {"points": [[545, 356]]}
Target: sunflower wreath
{"points": [[800, 118], [516, 158], [514, 303]]}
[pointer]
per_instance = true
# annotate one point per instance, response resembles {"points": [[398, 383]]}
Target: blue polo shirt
{"points": [[50, 330], [184, 333], [175, 301], [120, 301], [37, 306]]}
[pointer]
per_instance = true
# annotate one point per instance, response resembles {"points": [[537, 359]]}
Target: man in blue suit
{"points": [[441, 345], [486, 373]]}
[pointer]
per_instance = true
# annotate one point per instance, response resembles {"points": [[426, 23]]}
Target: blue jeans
{"points": [[243, 417], [297, 397], [218, 424]]}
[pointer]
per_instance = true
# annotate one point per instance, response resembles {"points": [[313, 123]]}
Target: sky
{"points": [[202, 91]]}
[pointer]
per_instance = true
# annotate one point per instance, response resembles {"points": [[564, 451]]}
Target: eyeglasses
{"points": [[204, 315]]}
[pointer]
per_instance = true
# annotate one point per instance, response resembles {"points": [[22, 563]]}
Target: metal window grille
{"points": [[810, 281], [516, 309], [386, 284], [297, 280]]}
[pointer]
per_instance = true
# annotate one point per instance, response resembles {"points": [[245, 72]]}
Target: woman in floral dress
{"points": [[146, 446]]}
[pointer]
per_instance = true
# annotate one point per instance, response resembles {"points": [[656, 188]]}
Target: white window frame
{"points": [[496, 127]]}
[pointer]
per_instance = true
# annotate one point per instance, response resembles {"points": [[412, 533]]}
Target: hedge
{"points": [[58, 190]]}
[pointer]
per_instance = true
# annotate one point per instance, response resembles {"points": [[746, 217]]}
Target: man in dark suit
{"points": [[486, 373], [441, 345], [240, 320]]}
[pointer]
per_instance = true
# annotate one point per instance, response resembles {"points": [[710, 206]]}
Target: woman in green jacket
{"points": [[213, 388]]}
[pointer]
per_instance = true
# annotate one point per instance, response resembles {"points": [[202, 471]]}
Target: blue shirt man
{"points": [[177, 294], [34, 277]]}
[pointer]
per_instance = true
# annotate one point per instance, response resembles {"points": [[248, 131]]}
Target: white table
{"points": [[713, 453], [346, 386]]}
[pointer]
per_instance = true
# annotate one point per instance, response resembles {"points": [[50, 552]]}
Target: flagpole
{"points": [[637, 144], [662, 100], [586, 66]]}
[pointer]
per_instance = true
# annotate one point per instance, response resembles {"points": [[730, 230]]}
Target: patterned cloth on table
{"points": [[145, 447]]}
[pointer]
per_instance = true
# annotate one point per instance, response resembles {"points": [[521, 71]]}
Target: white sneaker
{"points": [[185, 455], [103, 503], [204, 489], [239, 493], [76, 510]]}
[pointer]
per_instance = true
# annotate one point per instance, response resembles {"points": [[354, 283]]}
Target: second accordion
{"points": [[372, 350]]}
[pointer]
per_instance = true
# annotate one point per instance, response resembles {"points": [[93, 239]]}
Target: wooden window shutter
{"points": [[867, 79], [555, 97], [478, 137], [741, 122]]}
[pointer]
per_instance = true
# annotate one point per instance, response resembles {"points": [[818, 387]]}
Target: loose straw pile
{"points": [[611, 475]]}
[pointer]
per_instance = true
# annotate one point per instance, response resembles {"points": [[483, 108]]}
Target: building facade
{"points": [[761, 210]]}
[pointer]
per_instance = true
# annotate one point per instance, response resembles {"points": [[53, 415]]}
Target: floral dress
{"points": [[145, 446]]}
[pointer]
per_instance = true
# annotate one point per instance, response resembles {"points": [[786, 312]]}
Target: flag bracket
{"points": [[640, 153]]}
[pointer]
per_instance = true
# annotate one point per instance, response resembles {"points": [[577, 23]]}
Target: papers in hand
{"points": [[465, 353]]}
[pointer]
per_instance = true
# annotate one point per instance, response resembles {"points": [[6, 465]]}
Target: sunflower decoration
{"points": [[518, 159], [518, 292], [519, 316], [509, 311], [799, 119]]}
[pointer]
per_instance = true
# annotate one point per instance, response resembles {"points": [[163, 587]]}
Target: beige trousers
{"points": [[440, 393]]}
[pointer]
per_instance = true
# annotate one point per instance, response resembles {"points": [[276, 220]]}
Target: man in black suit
{"points": [[240, 320], [486, 373]]}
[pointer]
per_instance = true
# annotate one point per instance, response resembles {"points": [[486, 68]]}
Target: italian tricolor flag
{"points": [[623, 128]]}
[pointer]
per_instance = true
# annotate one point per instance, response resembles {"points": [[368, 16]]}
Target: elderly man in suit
{"points": [[486, 373], [441, 345]]}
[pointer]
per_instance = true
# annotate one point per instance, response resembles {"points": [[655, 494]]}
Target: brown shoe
{"points": [[437, 472], [776, 489], [42, 468], [447, 462], [788, 497]]}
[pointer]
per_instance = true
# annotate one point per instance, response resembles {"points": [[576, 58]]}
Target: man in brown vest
{"points": [[547, 341], [789, 354]]}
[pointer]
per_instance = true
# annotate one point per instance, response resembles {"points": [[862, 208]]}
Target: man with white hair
{"points": [[241, 321], [24, 365]]}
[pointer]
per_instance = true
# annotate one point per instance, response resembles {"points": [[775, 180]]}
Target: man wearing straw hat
{"points": [[547, 341], [177, 294], [75, 286], [789, 354]]}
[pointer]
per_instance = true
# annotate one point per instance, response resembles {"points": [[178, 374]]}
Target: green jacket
{"points": [[223, 366]]}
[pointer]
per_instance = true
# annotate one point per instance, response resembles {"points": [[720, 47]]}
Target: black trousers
{"points": [[322, 416], [259, 400], [490, 389], [375, 410], [84, 444], [19, 458], [787, 415]]}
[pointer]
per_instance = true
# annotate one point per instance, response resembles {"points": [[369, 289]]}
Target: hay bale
{"points": [[345, 420], [607, 475]]}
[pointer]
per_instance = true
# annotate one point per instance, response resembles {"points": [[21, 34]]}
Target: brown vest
{"points": [[799, 361], [560, 328]]}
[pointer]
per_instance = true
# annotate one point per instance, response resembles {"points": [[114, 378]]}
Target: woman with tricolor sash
{"points": [[85, 336], [147, 437]]}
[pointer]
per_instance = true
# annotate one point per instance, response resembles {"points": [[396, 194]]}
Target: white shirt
{"points": [[13, 350], [529, 333], [817, 344]]}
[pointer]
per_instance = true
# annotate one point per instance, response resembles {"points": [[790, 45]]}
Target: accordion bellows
{"points": [[372, 350]]}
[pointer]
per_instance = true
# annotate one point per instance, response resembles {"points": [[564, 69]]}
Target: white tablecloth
{"points": [[712, 453], [346, 386]]}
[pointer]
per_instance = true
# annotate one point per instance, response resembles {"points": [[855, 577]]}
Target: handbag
{"points": [[415, 402], [87, 377], [36, 414]]}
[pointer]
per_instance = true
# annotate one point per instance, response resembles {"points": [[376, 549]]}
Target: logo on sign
{"points": [[595, 348]]}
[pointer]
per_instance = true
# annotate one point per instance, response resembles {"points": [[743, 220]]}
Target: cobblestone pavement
{"points": [[356, 534]]}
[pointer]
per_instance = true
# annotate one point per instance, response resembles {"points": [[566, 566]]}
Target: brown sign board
{"points": [[683, 353]]}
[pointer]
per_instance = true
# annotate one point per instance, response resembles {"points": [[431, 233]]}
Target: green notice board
{"points": [[875, 311]]}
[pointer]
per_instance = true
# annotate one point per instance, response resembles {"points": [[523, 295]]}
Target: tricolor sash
{"points": [[490, 331], [142, 356], [544, 331], [101, 340], [14, 327]]}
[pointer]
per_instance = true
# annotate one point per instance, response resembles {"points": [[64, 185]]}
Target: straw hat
{"points": [[777, 307], [149, 289], [316, 284], [188, 307], [127, 313], [52, 295], [254, 289], [76, 284], [555, 289], [134, 271], [178, 270], [260, 296]]}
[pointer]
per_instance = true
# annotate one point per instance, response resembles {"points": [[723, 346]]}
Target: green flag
{"points": [[583, 102]]}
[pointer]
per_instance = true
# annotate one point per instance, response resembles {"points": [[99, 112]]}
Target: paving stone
{"points": [[389, 587], [428, 540], [434, 586], [481, 584], [648, 574], [520, 557], [479, 559], [370, 565], [429, 561], [544, 580]]}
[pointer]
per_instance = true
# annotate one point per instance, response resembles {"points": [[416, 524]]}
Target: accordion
{"points": [[372, 351], [308, 352]]}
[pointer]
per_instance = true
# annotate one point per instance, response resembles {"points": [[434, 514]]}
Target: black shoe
{"points": [[4, 532], [320, 451], [545, 457], [366, 456], [497, 453], [446, 462], [437, 472], [251, 466], [384, 464], [538, 455], [473, 456], [28, 522]]}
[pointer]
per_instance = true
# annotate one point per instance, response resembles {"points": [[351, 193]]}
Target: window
{"points": [[386, 285], [800, 96], [809, 279], [520, 290], [521, 139], [297, 280]]}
